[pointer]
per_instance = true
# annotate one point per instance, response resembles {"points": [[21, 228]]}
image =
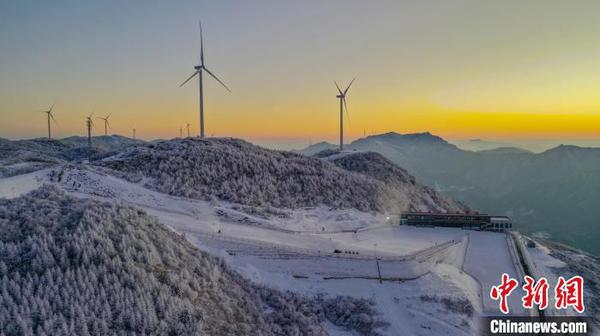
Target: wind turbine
{"points": [[106, 124], [199, 69], [343, 106], [188, 129], [50, 115], [89, 123], [134, 133]]}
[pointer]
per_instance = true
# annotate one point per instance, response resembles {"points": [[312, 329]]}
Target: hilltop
{"points": [[23, 156], [103, 142], [237, 171]]}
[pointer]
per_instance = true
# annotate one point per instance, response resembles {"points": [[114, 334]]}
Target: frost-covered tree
{"points": [[236, 171], [81, 267]]}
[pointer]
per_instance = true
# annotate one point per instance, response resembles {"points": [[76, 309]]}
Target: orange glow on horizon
{"points": [[454, 69]]}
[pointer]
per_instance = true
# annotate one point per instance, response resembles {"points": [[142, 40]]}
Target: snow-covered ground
{"points": [[542, 264], [488, 257], [14, 186], [434, 280]]}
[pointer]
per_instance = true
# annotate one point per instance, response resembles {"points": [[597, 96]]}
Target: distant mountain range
{"points": [[532, 145], [480, 144], [552, 194]]}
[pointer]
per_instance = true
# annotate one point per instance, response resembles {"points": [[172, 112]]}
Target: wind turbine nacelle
{"points": [[198, 67], [339, 96]]}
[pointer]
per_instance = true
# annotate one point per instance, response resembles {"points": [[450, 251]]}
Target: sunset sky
{"points": [[458, 69]]}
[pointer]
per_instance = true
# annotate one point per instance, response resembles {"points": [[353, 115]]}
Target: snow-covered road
{"points": [[487, 258]]}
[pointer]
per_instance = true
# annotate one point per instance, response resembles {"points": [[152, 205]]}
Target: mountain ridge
{"points": [[237, 171], [540, 191], [27, 155]]}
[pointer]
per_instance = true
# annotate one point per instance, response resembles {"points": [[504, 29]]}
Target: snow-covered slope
{"points": [[551, 260], [23, 156], [75, 266], [318, 147], [103, 142], [435, 280], [239, 172], [374, 165], [417, 264]]}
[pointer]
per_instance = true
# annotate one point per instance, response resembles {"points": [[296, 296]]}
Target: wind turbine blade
{"points": [[346, 109], [338, 87], [108, 116], [348, 88], [218, 80], [201, 44], [187, 80], [52, 116], [51, 107]]}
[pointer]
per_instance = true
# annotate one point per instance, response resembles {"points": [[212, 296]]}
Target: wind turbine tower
{"points": [[89, 122], [199, 69], [50, 116], [106, 124], [134, 134], [343, 106], [188, 129]]}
